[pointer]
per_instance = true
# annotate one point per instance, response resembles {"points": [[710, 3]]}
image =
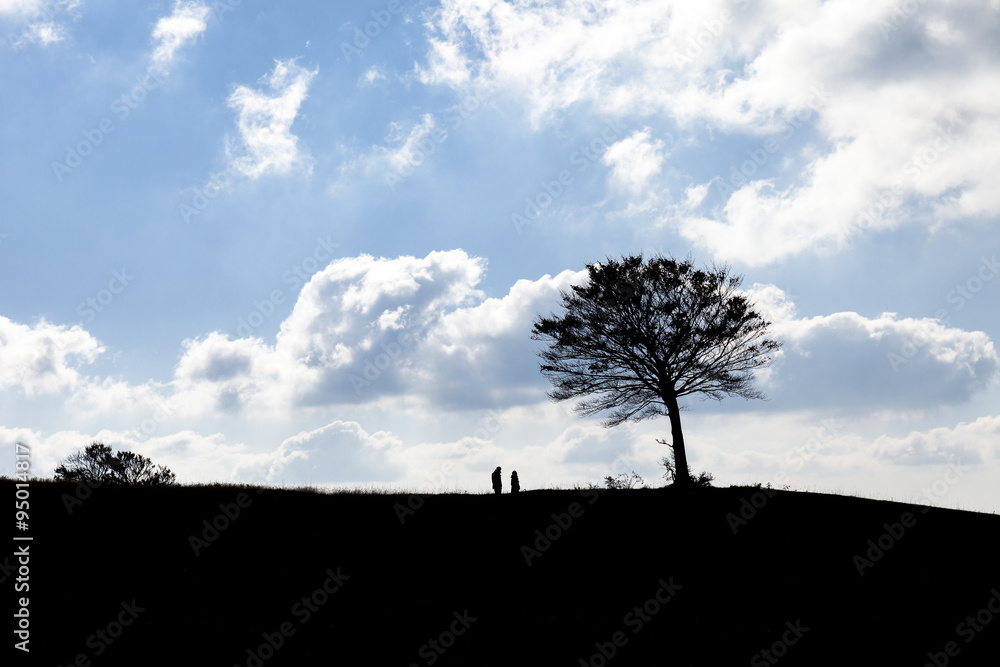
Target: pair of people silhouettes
{"points": [[515, 485]]}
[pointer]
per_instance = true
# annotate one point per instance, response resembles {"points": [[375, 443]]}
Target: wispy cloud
{"points": [[264, 119], [39, 20], [372, 74], [172, 32]]}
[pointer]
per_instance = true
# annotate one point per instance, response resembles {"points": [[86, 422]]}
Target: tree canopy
{"points": [[98, 464], [638, 335]]}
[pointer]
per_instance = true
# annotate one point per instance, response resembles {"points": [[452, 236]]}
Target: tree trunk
{"points": [[682, 475]]}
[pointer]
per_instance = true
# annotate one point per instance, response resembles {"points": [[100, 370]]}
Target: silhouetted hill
{"points": [[660, 572]]}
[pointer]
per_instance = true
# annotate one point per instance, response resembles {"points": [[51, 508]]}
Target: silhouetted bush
{"points": [[98, 464], [624, 481]]}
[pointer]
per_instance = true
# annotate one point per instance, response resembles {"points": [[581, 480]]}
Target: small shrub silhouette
{"points": [[624, 481], [99, 465], [670, 473]]}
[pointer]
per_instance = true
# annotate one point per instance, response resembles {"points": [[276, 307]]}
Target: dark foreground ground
{"points": [[636, 577]]}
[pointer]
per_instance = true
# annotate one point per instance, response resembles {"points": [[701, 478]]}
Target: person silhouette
{"points": [[515, 485], [497, 483]]}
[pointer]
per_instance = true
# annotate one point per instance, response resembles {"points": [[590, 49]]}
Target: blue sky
{"points": [[305, 244]]}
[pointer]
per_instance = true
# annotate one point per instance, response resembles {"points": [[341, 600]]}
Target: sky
{"points": [[304, 243]]}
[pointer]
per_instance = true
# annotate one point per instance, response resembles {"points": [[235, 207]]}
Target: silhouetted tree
{"points": [[639, 335], [98, 464]]}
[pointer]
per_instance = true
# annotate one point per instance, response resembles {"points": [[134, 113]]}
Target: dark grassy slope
{"points": [[460, 556]]}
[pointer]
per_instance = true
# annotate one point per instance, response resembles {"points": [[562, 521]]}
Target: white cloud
{"points": [[349, 338], [871, 364], [447, 65], [482, 355], [854, 110], [172, 32], [266, 143], [635, 160], [22, 7], [372, 74], [340, 452], [407, 153], [407, 146], [40, 359], [218, 375], [40, 16], [365, 329], [193, 457], [964, 444], [45, 33]]}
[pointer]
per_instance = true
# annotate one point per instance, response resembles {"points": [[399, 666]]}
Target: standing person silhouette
{"points": [[497, 483], [515, 485]]}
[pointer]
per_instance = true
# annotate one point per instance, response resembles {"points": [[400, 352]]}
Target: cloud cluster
{"points": [[861, 365], [264, 119], [872, 116], [365, 328], [44, 358], [417, 336]]}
